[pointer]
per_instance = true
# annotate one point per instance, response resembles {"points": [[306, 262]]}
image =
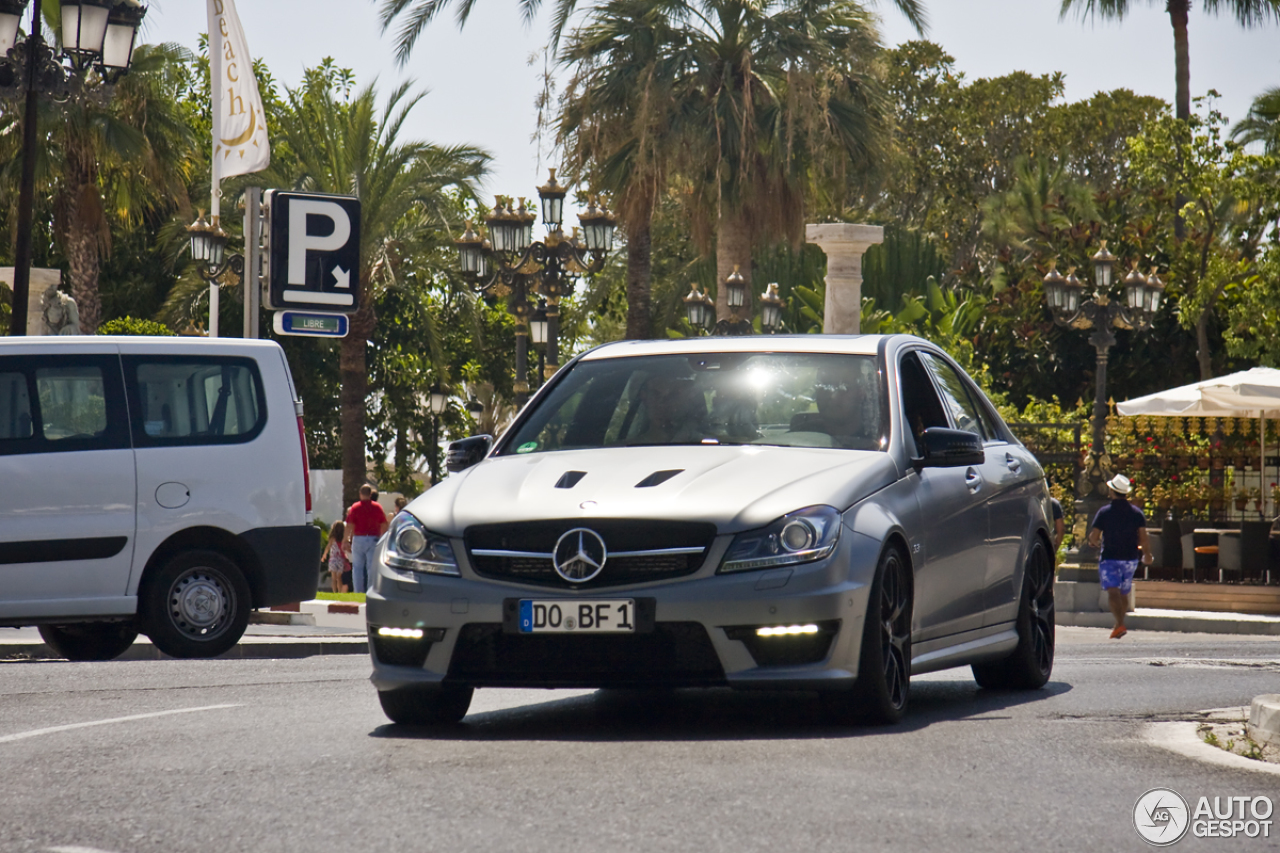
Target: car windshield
{"points": [[787, 399]]}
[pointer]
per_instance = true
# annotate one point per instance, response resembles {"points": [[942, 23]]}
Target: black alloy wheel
{"points": [[1031, 663], [884, 669], [426, 706]]}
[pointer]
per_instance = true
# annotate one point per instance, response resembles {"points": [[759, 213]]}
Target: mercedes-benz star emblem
{"points": [[580, 555]]}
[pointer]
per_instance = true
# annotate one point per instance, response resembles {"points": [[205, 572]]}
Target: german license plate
{"points": [[560, 616]]}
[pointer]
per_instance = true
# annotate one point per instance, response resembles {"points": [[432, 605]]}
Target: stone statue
{"points": [[61, 316]]}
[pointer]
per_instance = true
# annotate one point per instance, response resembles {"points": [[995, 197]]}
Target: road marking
{"points": [[53, 729], [74, 849]]}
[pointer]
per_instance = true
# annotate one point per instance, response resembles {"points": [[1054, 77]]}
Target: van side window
{"points": [[194, 400], [72, 402], [15, 407]]}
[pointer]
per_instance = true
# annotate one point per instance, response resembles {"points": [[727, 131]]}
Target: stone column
{"points": [[845, 245]]}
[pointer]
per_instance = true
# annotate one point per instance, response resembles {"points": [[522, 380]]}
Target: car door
{"points": [[950, 579], [67, 505], [1007, 475]]}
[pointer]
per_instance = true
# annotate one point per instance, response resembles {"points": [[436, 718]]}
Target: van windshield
{"points": [[787, 399]]}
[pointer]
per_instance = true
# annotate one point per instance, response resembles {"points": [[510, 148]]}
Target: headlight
{"points": [[411, 547], [801, 537]]}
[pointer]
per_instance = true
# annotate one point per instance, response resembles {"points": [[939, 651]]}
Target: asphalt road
{"points": [[295, 755]]}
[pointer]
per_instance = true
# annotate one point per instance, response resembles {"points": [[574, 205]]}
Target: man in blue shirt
{"points": [[1121, 529]]}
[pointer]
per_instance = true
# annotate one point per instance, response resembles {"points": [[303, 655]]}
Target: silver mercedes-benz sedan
{"points": [[822, 513]]}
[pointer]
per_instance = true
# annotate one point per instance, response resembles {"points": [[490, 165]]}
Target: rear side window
{"points": [[73, 402], [191, 400], [61, 403]]}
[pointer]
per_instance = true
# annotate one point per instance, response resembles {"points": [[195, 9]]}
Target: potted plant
{"points": [[1242, 499]]}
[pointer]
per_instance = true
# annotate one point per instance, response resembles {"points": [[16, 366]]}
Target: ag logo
{"points": [[312, 258], [579, 555], [1161, 817]]}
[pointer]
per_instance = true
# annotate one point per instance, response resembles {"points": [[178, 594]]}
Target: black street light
{"points": [[522, 266], [437, 401], [1142, 295], [771, 305], [209, 250], [699, 309], [97, 38]]}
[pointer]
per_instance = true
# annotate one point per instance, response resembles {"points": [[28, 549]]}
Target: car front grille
{"points": [[521, 552], [674, 654]]}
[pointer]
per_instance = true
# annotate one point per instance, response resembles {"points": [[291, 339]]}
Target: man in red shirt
{"points": [[365, 523]]}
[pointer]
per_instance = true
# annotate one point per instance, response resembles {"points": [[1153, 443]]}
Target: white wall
{"points": [[326, 497]]}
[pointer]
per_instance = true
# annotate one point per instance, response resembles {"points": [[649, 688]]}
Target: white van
{"points": [[153, 485]]}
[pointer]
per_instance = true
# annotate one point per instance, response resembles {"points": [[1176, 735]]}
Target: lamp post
{"points": [[736, 286], [438, 401], [771, 305], [522, 266], [699, 310], [1142, 295], [98, 38]]}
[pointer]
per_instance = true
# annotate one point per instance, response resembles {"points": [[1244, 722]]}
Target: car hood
{"points": [[735, 487]]}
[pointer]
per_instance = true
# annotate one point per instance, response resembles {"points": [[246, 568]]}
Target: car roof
{"points": [[847, 344], [132, 344]]}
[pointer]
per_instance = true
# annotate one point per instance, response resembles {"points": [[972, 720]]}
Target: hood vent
{"points": [[569, 479], [657, 478]]}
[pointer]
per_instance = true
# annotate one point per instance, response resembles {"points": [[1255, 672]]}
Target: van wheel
{"points": [[196, 606], [89, 640], [426, 706]]}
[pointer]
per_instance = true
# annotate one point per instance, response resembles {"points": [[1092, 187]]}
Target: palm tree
{"points": [[415, 15], [1248, 12], [616, 124], [102, 159], [1262, 124], [347, 147], [780, 99]]}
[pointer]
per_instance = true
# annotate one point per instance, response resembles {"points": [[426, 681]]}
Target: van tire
{"points": [[89, 641], [196, 605]]}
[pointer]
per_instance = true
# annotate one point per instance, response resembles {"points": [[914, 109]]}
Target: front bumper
{"points": [[701, 628]]}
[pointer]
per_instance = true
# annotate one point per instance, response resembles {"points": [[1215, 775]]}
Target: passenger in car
{"points": [[843, 398]]}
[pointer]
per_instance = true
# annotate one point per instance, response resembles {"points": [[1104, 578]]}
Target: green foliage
{"points": [[134, 326]]}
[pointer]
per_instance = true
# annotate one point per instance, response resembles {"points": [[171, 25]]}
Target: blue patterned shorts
{"points": [[1117, 574]]}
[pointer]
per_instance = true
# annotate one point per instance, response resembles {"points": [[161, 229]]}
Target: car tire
{"points": [[880, 694], [1031, 663], [426, 706], [89, 641], [196, 605]]}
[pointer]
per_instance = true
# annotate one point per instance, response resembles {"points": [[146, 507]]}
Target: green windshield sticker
{"points": [[527, 447]]}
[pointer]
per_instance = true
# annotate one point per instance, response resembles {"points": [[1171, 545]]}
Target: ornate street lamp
{"points": [[736, 295], [522, 266], [95, 34], [1065, 295], [209, 250], [771, 305], [696, 306]]}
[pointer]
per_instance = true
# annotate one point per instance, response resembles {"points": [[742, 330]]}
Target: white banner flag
{"points": [[239, 128]]}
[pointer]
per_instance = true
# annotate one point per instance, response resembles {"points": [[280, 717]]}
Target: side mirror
{"points": [[465, 452], [951, 448]]}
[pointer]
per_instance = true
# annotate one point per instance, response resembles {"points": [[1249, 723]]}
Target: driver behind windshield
{"points": [[674, 411]]}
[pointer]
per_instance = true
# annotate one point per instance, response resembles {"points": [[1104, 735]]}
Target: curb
{"points": [[1264, 719], [1182, 738], [1187, 622]]}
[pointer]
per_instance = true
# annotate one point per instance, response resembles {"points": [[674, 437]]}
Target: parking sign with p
{"points": [[313, 252]]}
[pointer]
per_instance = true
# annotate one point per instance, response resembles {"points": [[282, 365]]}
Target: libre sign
{"points": [[312, 258]]}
